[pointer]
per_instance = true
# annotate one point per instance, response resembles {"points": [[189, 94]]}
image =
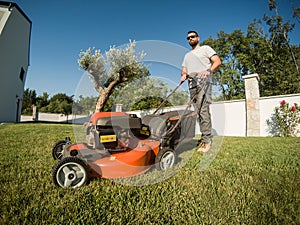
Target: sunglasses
{"points": [[192, 36]]}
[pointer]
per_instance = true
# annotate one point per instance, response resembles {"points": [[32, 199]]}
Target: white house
{"points": [[15, 31]]}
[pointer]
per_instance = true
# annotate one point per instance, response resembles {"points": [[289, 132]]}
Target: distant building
{"points": [[15, 31]]}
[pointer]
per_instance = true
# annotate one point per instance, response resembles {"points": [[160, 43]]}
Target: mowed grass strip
{"points": [[249, 181]]}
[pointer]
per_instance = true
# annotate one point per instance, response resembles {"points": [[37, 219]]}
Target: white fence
{"points": [[228, 117], [57, 118]]}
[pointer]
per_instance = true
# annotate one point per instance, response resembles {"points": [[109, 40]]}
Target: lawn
{"points": [[249, 181]]}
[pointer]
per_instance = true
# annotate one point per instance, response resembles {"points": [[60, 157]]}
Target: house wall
{"points": [[15, 32]]}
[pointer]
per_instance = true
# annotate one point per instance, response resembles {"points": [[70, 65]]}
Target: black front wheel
{"points": [[165, 159], [70, 172], [57, 150]]}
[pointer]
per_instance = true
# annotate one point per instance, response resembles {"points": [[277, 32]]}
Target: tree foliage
{"points": [[139, 95], [58, 103], [29, 99], [229, 76], [84, 105], [42, 102], [269, 54], [272, 56], [149, 102], [146, 93], [113, 70]]}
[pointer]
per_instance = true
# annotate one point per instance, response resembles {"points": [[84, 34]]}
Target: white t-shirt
{"points": [[198, 59]]}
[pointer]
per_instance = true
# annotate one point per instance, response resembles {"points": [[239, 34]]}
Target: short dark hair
{"points": [[192, 31]]}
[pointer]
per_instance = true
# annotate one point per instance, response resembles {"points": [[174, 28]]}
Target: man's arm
{"points": [[183, 74], [216, 63]]}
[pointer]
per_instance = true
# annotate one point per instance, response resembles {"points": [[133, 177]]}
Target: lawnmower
{"points": [[122, 145]]}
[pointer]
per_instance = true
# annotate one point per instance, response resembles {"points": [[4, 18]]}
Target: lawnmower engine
{"points": [[115, 131]]}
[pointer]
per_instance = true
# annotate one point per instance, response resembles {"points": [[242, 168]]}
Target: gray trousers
{"points": [[202, 100]]}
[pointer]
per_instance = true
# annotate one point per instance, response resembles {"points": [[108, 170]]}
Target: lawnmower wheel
{"points": [[70, 172], [166, 158], [57, 149]]}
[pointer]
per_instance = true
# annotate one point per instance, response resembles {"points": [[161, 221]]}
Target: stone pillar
{"points": [[252, 105], [118, 107], [34, 113]]}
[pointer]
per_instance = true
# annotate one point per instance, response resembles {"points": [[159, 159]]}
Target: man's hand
{"points": [[204, 73], [183, 78]]}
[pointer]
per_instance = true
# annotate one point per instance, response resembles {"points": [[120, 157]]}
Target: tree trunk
{"points": [[104, 94], [100, 103], [101, 100]]}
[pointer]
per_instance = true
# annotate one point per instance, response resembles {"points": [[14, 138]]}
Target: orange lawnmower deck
{"points": [[124, 164]]}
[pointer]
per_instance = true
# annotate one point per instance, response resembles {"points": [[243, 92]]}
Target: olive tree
{"points": [[112, 70]]}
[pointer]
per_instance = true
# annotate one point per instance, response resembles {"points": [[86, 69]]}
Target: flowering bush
{"points": [[287, 119]]}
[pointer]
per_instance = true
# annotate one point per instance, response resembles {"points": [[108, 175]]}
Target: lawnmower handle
{"points": [[163, 102]]}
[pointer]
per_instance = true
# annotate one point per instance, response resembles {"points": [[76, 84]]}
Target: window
{"points": [[22, 74]]}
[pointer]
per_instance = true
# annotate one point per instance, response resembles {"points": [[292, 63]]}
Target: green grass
{"points": [[250, 181]]}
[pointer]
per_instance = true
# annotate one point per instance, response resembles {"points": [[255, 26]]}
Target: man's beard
{"points": [[193, 43]]}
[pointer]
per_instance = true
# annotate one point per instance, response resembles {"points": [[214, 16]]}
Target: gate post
{"points": [[252, 105]]}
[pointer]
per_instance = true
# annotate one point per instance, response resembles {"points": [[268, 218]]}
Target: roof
{"points": [[13, 4]]}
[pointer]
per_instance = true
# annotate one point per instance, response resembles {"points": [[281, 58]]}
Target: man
{"points": [[198, 66]]}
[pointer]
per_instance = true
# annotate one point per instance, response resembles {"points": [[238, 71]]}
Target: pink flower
{"points": [[283, 102], [293, 109]]}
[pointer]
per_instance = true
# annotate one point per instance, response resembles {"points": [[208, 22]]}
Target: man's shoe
{"points": [[204, 147]]}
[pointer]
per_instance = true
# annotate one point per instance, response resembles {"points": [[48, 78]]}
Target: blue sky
{"points": [[60, 29]]}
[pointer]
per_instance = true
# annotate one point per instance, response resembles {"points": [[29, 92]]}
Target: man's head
{"points": [[193, 38]]}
